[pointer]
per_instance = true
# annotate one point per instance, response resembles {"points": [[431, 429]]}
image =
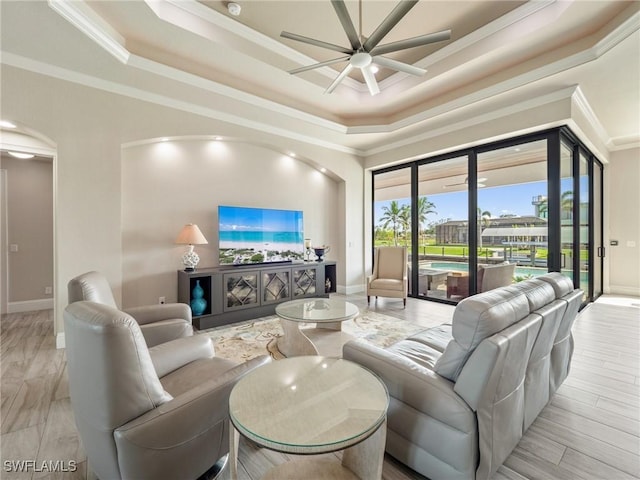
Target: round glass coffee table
{"points": [[312, 405], [326, 338]]}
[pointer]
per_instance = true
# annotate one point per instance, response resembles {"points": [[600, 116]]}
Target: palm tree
{"points": [[405, 221], [484, 217], [566, 205], [392, 215], [425, 207], [566, 202]]}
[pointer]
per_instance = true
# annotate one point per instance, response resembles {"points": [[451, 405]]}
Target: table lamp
{"points": [[190, 235]]}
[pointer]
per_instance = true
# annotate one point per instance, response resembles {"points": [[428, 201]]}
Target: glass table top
{"points": [[317, 310], [308, 404]]}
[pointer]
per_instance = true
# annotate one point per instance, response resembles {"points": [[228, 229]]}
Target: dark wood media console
{"points": [[236, 293]]}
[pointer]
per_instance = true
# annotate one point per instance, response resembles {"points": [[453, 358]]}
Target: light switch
{"points": [[13, 247]]}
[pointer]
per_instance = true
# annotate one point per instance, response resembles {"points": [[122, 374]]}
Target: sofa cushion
{"points": [[418, 352], [538, 292], [476, 318], [436, 337], [387, 284], [561, 284]]}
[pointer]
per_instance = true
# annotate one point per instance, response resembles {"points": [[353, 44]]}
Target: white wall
{"points": [[90, 127], [168, 184], [622, 222]]}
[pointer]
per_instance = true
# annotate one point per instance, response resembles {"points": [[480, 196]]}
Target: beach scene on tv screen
{"points": [[259, 235]]}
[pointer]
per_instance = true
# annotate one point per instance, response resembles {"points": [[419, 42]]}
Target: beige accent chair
{"points": [[489, 277], [462, 395], [389, 277], [146, 413], [159, 323]]}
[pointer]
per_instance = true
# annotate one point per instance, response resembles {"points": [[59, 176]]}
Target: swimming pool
{"points": [[520, 271]]}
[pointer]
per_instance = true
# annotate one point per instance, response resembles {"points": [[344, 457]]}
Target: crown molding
{"points": [[580, 102], [81, 16], [230, 92], [590, 54], [619, 33], [623, 143], [470, 122], [139, 94], [472, 38], [184, 13]]}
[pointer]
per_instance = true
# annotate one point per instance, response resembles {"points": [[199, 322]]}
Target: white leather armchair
{"points": [[389, 277], [159, 323], [146, 413]]}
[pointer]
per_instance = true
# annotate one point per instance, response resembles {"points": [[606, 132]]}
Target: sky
{"points": [[244, 218], [510, 199]]}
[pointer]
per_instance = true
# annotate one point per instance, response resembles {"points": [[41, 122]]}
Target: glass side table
{"points": [[312, 405], [326, 338]]}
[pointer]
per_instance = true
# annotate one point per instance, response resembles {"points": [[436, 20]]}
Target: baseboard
{"points": [[350, 289], [60, 340], [30, 305], [623, 290]]}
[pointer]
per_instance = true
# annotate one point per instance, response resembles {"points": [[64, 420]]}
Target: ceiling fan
{"points": [[365, 52], [466, 182]]}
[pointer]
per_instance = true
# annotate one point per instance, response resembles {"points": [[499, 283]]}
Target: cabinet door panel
{"points": [[304, 282], [276, 286], [241, 290]]}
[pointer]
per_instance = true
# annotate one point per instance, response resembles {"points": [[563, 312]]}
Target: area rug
{"points": [[244, 340]]}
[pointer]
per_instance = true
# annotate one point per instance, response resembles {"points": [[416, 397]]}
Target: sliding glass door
{"points": [[526, 206], [443, 213], [598, 234], [513, 209], [392, 219]]}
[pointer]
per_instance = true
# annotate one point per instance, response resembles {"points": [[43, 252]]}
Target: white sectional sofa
{"points": [[462, 395]]}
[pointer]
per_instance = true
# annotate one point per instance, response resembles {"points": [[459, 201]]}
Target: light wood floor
{"points": [[589, 430]]}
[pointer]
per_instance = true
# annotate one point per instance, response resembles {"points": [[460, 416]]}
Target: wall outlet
{"points": [[161, 300], [48, 290]]}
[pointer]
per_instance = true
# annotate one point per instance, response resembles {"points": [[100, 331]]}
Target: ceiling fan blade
{"points": [[412, 42], [370, 78], [388, 23], [313, 41], [339, 78], [318, 65], [399, 66], [341, 10]]}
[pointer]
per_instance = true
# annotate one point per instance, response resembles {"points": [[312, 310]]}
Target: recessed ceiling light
{"points": [[7, 124], [323, 170], [164, 139], [517, 149], [292, 155], [374, 69], [23, 156], [218, 138]]}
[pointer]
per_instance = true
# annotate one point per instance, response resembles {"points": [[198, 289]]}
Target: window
{"points": [[515, 204]]}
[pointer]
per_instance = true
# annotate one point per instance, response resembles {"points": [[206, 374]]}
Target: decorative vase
{"points": [[198, 303]]}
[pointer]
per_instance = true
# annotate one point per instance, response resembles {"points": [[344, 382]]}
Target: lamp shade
{"points": [[191, 235]]}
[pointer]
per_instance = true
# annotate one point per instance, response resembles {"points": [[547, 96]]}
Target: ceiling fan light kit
{"points": [[364, 53]]}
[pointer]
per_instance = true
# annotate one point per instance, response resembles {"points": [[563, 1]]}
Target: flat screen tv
{"points": [[259, 235]]}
